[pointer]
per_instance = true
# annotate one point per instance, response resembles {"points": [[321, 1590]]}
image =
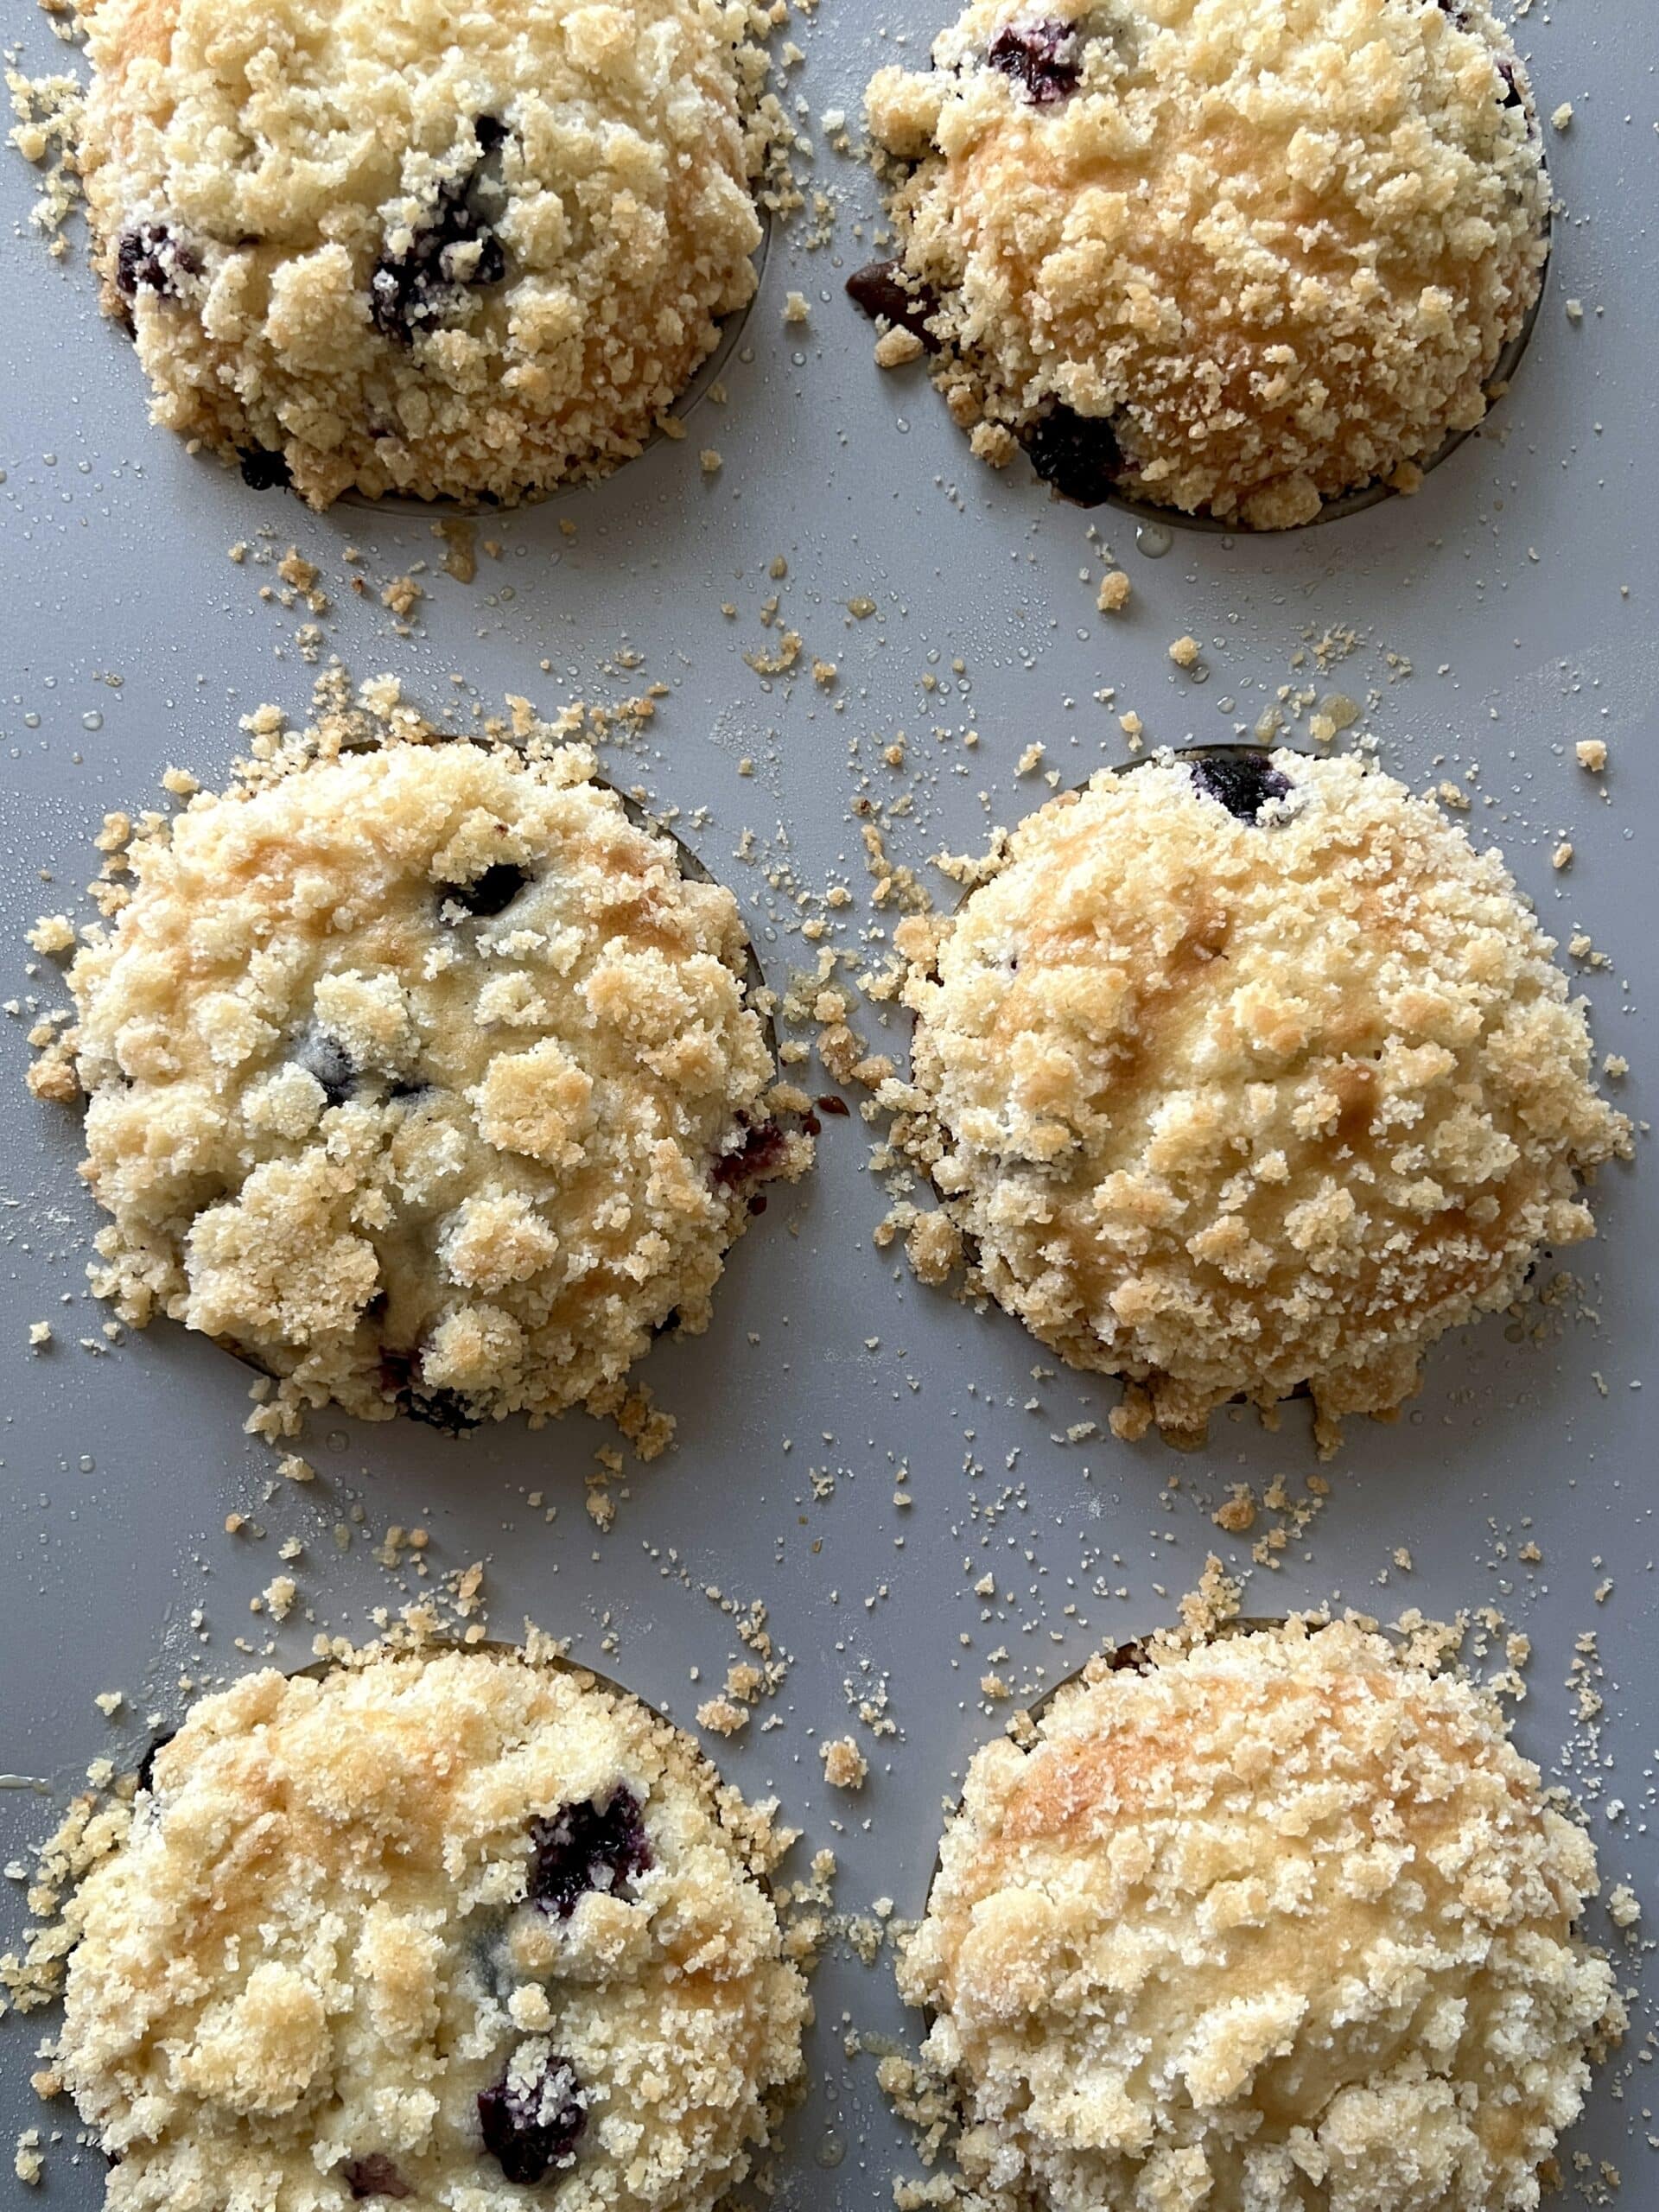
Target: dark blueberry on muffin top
{"points": [[1041, 58], [1077, 454], [148, 259], [531, 2125], [1242, 782], [588, 1847]]}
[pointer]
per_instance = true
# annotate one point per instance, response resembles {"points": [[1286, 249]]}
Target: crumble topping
{"points": [[422, 1076], [1230, 255], [1242, 1073], [434, 1926], [407, 250], [1273, 1920]]}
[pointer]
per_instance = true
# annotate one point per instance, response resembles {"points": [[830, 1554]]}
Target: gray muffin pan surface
{"points": [[1485, 625]]}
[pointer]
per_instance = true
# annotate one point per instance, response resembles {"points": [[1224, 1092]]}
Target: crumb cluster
{"points": [[416, 250], [438, 1926], [1243, 1075], [1237, 256], [1277, 1919], [423, 1076]]}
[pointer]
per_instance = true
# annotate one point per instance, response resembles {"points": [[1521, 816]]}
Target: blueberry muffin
{"points": [[393, 246], [1244, 1072], [424, 1076], [1234, 257], [450, 1929], [1279, 1923]]}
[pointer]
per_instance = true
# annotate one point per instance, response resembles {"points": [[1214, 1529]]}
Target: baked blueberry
{"points": [[148, 259], [1041, 58], [144, 1777], [1238, 778], [1076, 454], [264, 471], [375, 2175], [533, 2117], [588, 1847], [880, 288], [759, 1153], [487, 894], [454, 248], [328, 1059], [447, 1411]]}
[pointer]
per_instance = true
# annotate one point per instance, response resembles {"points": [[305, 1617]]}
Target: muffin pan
{"points": [[1481, 629]]}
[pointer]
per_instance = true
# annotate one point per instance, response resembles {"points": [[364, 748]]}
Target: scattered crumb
{"points": [[402, 594], [1239, 1514], [1185, 652], [279, 1595], [844, 1765], [29, 2164], [53, 934], [1114, 594], [459, 547], [721, 1717], [897, 347]]}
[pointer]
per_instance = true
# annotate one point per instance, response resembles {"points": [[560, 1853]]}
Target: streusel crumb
{"points": [[1233, 256], [1247, 1071], [1277, 1921], [423, 1076], [440, 1927], [845, 1766]]}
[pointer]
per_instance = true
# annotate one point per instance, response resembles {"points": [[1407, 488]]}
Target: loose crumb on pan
{"points": [[1231, 1106], [419, 1072], [436, 1925], [1256, 1915], [845, 1766], [1114, 590]]}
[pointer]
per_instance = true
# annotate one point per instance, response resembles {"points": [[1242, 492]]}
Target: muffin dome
{"points": [[1236, 256], [442, 1928], [1275, 1923], [1244, 1072], [425, 1077], [407, 245]]}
